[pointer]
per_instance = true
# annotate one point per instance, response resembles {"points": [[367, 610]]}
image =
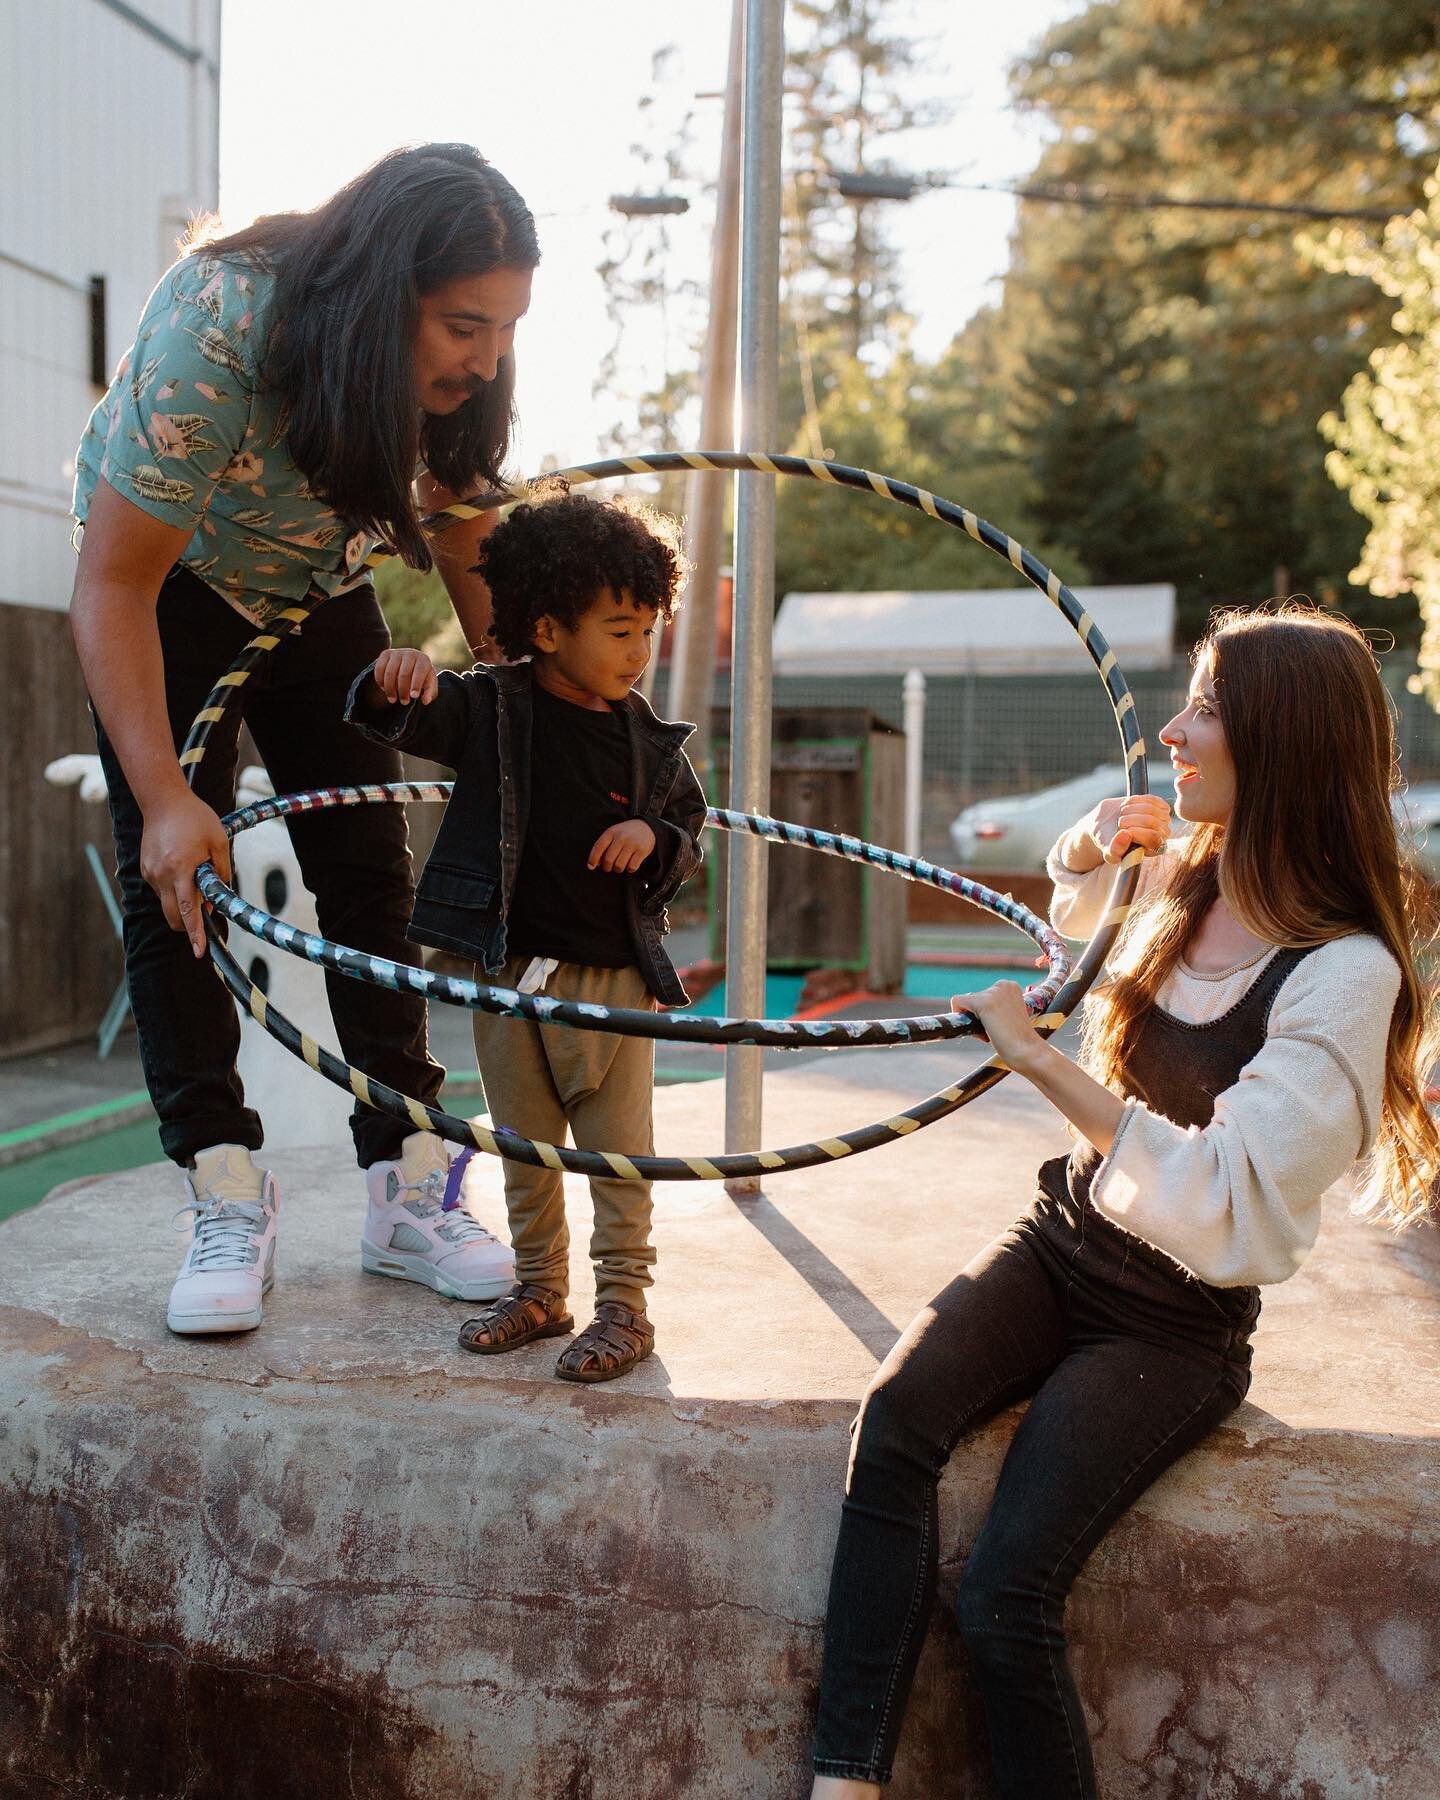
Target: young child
{"points": [[574, 819]]}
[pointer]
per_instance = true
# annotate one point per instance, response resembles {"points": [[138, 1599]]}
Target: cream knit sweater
{"points": [[1239, 1202]]}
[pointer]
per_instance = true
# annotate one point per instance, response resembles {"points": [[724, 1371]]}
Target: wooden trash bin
{"points": [[841, 769]]}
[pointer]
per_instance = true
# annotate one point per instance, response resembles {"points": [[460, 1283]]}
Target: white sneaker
{"points": [[230, 1265], [418, 1229]]}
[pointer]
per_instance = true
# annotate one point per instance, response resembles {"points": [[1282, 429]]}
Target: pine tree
{"points": [[847, 67]]}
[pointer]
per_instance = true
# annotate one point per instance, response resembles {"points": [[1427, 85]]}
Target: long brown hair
{"points": [[1309, 853], [349, 277]]}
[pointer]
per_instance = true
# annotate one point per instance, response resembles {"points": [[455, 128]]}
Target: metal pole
{"points": [[692, 661], [914, 757], [967, 732], [750, 684]]}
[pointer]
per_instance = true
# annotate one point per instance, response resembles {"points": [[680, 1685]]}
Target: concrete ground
{"points": [[49, 1083], [452, 1575]]}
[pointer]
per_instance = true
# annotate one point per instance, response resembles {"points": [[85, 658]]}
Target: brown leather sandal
{"points": [[610, 1345], [526, 1312]]}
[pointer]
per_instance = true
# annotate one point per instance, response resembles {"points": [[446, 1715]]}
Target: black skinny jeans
{"points": [[355, 860], [1130, 1363]]}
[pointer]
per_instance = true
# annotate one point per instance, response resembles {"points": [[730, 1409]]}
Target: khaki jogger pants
{"points": [[539, 1079]]}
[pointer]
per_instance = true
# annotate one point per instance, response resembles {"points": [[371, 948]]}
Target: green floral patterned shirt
{"points": [[188, 433]]}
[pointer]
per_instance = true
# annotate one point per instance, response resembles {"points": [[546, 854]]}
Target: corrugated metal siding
{"points": [[108, 139], [44, 337]]}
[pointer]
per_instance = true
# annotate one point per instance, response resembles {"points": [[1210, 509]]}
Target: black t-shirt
{"points": [[579, 785]]}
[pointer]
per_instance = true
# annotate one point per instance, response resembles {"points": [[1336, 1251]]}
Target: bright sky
{"points": [[312, 92]]}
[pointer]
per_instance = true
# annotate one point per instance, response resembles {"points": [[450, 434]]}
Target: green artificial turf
{"points": [[25, 1183]]}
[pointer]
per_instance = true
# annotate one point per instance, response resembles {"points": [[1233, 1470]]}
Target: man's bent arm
{"points": [[455, 546], [125, 555]]}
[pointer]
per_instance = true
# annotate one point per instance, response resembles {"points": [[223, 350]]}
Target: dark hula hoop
{"points": [[780, 1034], [1050, 1001]]}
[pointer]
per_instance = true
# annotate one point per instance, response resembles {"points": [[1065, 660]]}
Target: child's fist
{"points": [[622, 849], [406, 675]]}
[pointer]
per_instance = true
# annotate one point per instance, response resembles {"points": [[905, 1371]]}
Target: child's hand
{"points": [[622, 849], [405, 675]]}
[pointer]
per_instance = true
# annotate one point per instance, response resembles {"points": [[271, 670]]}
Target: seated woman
{"points": [[1263, 1025]]}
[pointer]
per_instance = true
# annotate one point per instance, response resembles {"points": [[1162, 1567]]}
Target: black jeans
{"points": [[355, 860], [1130, 1363]]}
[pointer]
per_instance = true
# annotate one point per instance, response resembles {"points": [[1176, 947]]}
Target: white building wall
{"points": [[109, 141]]}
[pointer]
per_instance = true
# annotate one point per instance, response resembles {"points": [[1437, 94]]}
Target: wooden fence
{"points": [[59, 956]]}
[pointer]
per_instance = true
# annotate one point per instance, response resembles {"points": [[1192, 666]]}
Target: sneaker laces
{"points": [[223, 1233], [439, 1191]]}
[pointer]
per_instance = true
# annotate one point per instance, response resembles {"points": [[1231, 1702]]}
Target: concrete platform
{"points": [[340, 1557]]}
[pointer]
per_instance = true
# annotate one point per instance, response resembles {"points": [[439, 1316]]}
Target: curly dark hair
{"points": [[556, 553]]}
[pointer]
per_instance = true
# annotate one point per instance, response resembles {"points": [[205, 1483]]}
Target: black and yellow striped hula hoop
{"points": [[546, 1009], [612, 1164]]}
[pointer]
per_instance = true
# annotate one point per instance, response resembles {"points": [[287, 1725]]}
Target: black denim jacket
{"points": [[479, 725]]}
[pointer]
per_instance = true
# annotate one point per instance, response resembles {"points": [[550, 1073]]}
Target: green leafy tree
{"points": [[1189, 352], [941, 426], [418, 611], [1386, 433]]}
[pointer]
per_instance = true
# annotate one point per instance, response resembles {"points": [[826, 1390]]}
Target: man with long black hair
{"points": [[296, 393]]}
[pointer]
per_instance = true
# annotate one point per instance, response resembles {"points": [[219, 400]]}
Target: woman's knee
{"points": [[981, 1599], [890, 1430], [1003, 1600]]}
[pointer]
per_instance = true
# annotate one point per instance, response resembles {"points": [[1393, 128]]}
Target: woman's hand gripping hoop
{"points": [[1051, 1000]]}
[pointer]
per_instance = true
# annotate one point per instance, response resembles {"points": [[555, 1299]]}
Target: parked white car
{"points": [[1014, 833], [1417, 814]]}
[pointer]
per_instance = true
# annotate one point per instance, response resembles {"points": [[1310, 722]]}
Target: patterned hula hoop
{"points": [[1056, 1005], [780, 1034]]}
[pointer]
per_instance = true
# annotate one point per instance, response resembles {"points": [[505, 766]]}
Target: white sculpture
{"points": [[267, 873], [66, 771]]}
